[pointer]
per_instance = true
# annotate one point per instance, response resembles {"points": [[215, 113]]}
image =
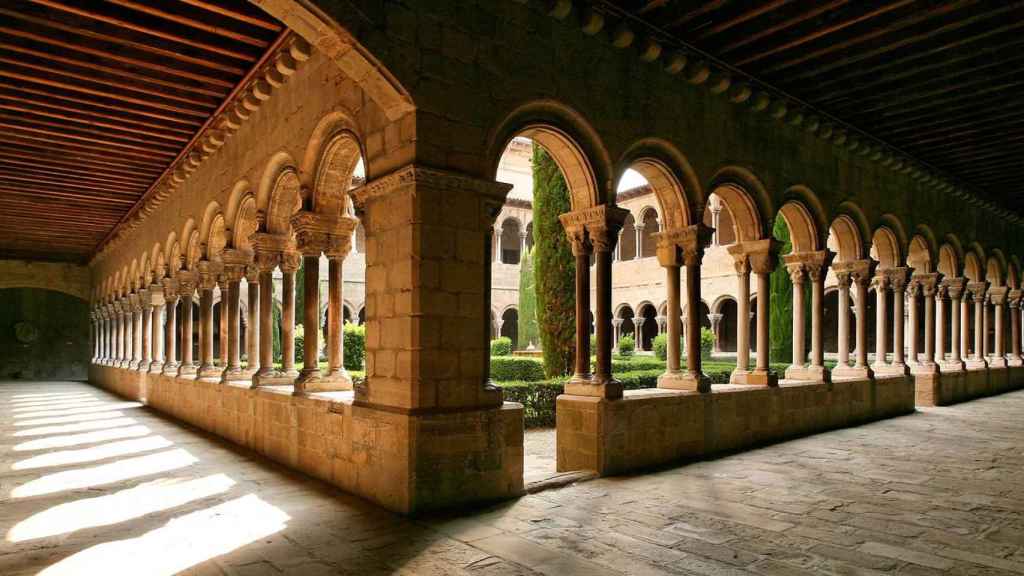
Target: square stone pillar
{"points": [[447, 434]]}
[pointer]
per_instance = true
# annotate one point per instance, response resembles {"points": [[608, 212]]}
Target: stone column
{"points": [[861, 272], [222, 349], [207, 281], [693, 240], [252, 334], [796, 366], [913, 288], [716, 321], [816, 273], [742, 267], [955, 289], [289, 266], [986, 348], [157, 325], [965, 322], [310, 318], [119, 322], [136, 332], [940, 324], [843, 309], [670, 260], [898, 282], [581, 250], [639, 229], [522, 245], [187, 287], [1013, 299], [997, 294], [716, 211], [929, 285], [616, 331], [170, 327], [146, 328], [269, 251], [235, 263], [600, 226], [762, 256], [881, 283], [977, 290]]}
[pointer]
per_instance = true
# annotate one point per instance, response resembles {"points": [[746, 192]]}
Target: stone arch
{"points": [[191, 251], [651, 226], [339, 45], [267, 190], [332, 153], [510, 325], [244, 224], [746, 199], [285, 200], [570, 140], [511, 245], [172, 253], [133, 275], [803, 231], [949, 261], [921, 255], [885, 248], [972, 265], [848, 232], [671, 177], [213, 221], [159, 262], [648, 330], [994, 269], [1014, 265]]}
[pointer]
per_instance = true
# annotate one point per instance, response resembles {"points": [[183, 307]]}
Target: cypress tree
{"points": [[554, 266], [780, 336], [528, 331]]}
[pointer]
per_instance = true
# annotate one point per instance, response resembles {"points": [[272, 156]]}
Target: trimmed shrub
{"points": [[626, 346], [707, 342], [354, 343], [516, 368], [537, 398], [501, 346], [635, 363], [660, 346]]}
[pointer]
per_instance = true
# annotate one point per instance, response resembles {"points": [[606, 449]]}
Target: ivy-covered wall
{"points": [[44, 335]]}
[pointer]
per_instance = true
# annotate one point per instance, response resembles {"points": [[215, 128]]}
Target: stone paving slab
{"points": [[91, 484]]}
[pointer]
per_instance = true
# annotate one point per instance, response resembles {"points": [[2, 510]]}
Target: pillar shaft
{"points": [[817, 319], [187, 366], [965, 323], [940, 324], [955, 311], [170, 327], [1000, 344], [603, 313], [898, 294], [881, 320], [222, 348], [743, 317], [147, 336], [266, 322], [979, 327], [335, 316], [799, 319], [1015, 330], [986, 348], [672, 277], [310, 320], [861, 360], [234, 325], [288, 320], [929, 326], [763, 312], [253, 334], [844, 322], [156, 323], [205, 329], [693, 359], [581, 250], [913, 320]]}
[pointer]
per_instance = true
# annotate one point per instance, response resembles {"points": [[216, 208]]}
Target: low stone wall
{"points": [[407, 463], [952, 387], [651, 427]]}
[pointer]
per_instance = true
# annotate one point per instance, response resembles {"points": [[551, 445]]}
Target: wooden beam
{"points": [[31, 167], [174, 136], [266, 25], [47, 95], [40, 153], [193, 23], [73, 131], [704, 8], [144, 159], [741, 18], [745, 39], [104, 144]]}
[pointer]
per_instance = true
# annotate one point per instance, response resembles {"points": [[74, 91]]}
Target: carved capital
{"points": [[669, 254], [156, 295], [977, 290], [1013, 298], [927, 282], [187, 282], [997, 294], [170, 290], [762, 255], [601, 223], [860, 271], [796, 272], [411, 176], [290, 262], [955, 287], [252, 273], [208, 272]]}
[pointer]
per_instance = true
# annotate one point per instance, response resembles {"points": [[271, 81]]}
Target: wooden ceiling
{"points": [[98, 98], [941, 80]]}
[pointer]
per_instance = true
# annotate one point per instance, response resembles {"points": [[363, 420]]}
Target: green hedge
{"points": [[538, 398], [501, 346], [626, 346], [516, 368]]}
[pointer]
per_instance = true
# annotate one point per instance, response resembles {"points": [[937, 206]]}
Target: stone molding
{"points": [[271, 72], [414, 174], [598, 225], [858, 271]]}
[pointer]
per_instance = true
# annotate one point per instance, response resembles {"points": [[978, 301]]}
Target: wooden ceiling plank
{"points": [[36, 192], [154, 161], [123, 109], [891, 111], [762, 54], [18, 210], [73, 130], [33, 167], [85, 153], [129, 25], [172, 54], [917, 18], [902, 43], [111, 95], [741, 18], [44, 156], [73, 165], [915, 93], [882, 125], [234, 15], [96, 123], [119, 58], [193, 23], [948, 130], [115, 71], [80, 181], [104, 143], [765, 32], [704, 8], [90, 189]]}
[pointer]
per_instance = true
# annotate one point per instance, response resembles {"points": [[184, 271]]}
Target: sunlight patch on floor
{"points": [[101, 452], [79, 427], [69, 440], [147, 498], [84, 403], [182, 543], [69, 419], [105, 473], [56, 411]]}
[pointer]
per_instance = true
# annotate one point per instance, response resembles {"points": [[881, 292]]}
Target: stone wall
{"points": [[951, 387], [653, 427], [459, 457], [44, 335], [59, 276]]}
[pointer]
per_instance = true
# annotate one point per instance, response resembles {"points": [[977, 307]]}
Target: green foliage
{"points": [[278, 356], [707, 342], [538, 398], [554, 266], [660, 346], [300, 343], [626, 346], [511, 368], [780, 337], [634, 363], [300, 296], [501, 346], [354, 343], [528, 331], [593, 344]]}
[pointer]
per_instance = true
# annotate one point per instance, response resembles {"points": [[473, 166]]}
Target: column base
{"points": [[809, 373], [893, 369], [755, 378], [951, 366], [600, 387], [852, 373], [133, 365], [684, 381], [923, 368], [997, 362], [976, 364], [170, 369], [210, 372], [316, 381], [1015, 362], [187, 371], [156, 367], [232, 375], [270, 377]]}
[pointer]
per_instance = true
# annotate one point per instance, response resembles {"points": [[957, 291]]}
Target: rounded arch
{"points": [[671, 177], [949, 261], [995, 268], [811, 211], [244, 224], [279, 163], [284, 201], [921, 256], [1012, 274], [133, 275], [972, 266], [172, 253], [716, 306], [330, 159], [845, 239], [570, 140], [145, 269], [191, 250], [746, 199], [885, 247], [803, 230]]}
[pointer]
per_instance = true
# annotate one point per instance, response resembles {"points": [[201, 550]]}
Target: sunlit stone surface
{"points": [[937, 492]]}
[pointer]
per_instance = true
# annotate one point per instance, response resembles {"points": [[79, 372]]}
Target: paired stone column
{"points": [[156, 294], [207, 281], [913, 291], [600, 226], [145, 331], [928, 283], [742, 266], [898, 278], [940, 324], [187, 290], [290, 262], [136, 308], [222, 350], [977, 290], [802, 267], [760, 257], [581, 250], [881, 284], [119, 307], [796, 276], [860, 273], [997, 294], [252, 334], [844, 280], [235, 263], [955, 290], [671, 260], [986, 348], [716, 322], [170, 327], [1013, 299], [270, 250]]}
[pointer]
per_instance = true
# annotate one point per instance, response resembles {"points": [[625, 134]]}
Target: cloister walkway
{"points": [[92, 484]]}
